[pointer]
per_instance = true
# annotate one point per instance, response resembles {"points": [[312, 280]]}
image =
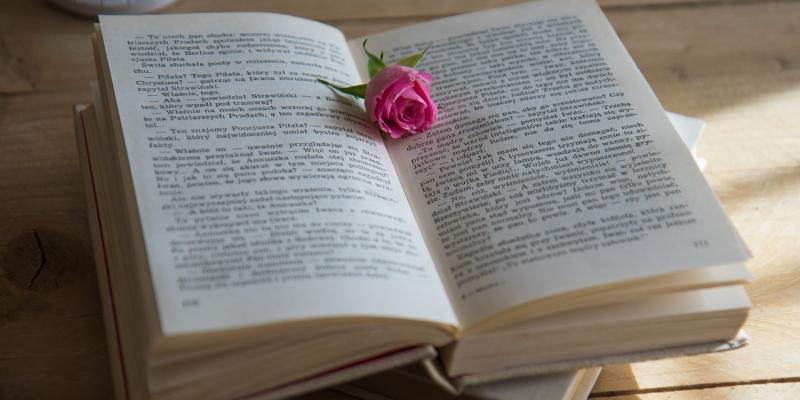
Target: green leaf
{"points": [[374, 64], [412, 60], [358, 90]]}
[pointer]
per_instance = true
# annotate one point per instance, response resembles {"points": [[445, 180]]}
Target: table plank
{"points": [[744, 392], [40, 179], [327, 10], [764, 206], [360, 10], [45, 62]]}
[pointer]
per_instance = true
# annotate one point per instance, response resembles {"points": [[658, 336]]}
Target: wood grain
{"points": [[734, 64], [360, 10], [741, 392]]}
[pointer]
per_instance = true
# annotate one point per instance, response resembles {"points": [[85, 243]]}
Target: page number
{"points": [[190, 303], [699, 244]]}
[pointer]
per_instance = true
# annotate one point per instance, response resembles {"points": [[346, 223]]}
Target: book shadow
{"points": [[615, 382]]}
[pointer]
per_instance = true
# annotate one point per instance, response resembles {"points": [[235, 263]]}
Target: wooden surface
{"points": [[735, 64]]}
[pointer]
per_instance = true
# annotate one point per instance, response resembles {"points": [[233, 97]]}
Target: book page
{"points": [[263, 196], [552, 166]]}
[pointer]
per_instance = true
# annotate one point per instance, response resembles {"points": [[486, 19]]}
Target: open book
{"points": [[410, 381], [262, 233]]}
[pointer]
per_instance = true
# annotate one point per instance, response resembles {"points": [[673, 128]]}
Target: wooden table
{"points": [[735, 64]]}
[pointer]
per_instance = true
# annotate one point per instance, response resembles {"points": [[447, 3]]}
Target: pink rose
{"points": [[398, 99]]}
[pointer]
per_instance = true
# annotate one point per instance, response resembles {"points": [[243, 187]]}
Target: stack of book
{"points": [[256, 236]]}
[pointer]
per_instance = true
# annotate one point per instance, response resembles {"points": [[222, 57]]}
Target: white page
{"points": [[503, 227], [262, 195]]}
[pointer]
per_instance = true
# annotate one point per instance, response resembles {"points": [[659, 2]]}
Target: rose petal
{"points": [[379, 82], [398, 100], [427, 77]]}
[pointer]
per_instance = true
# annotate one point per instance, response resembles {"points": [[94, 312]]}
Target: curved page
{"points": [[263, 196]]}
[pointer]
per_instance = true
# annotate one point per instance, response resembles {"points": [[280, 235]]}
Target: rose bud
{"points": [[398, 99]]}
